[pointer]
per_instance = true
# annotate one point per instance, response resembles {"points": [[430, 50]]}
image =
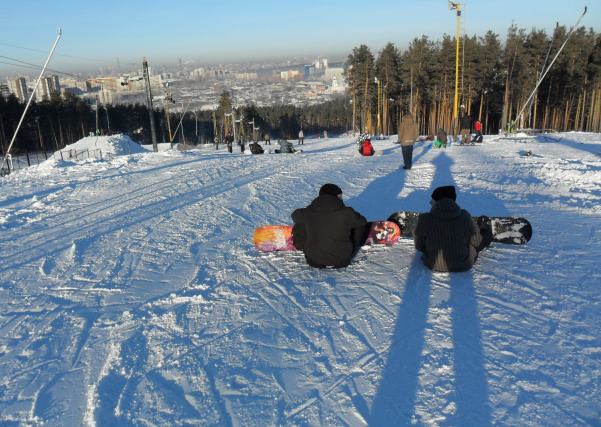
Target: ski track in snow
{"points": [[133, 295]]}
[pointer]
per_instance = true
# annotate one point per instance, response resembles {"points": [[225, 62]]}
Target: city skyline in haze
{"points": [[119, 34]]}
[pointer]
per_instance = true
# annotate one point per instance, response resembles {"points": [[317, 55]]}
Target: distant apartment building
{"points": [[246, 76], [4, 91], [75, 87], [308, 71], [290, 75], [198, 73], [48, 86], [18, 87], [122, 97], [330, 73]]}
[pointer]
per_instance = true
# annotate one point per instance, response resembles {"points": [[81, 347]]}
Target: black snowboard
{"points": [[504, 229]]}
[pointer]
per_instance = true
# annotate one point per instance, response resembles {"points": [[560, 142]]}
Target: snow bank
{"points": [[118, 145], [92, 148]]}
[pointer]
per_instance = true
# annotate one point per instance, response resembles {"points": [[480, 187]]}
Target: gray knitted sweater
{"points": [[448, 237]]}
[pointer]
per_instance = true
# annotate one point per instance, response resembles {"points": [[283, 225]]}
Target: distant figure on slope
{"points": [[327, 231], [365, 146], [465, 124], [408, 133], [267, 139], [478, 130], [441, 139], [448, 236], [255, 148], [229, 140], [301, 138], [285, 147]]}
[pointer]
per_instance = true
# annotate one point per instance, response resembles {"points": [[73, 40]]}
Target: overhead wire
{"points": [[30, 65], [63, 54]]}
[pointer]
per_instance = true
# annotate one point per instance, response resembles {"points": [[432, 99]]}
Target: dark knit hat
{"points": [[447, 191], [331, 189]]}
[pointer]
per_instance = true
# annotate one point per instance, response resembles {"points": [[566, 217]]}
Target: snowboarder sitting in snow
{"points": [[365, 146], [478, 130], [327, 231], [285, 147], [448, 236], [441, 139], [255, 148]]}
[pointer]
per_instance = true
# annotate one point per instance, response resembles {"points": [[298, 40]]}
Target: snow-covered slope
{"points": [[132, 295]]}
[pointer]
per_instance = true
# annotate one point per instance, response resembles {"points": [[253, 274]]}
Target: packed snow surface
{"points": [[132, 294]]}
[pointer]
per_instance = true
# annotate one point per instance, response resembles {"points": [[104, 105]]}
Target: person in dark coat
{"points": [[255, 148], [327, 231], [465, 124], [229, 140], [448, 236]]}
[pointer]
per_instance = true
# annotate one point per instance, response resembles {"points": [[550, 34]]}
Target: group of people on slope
{"points": [[330, 233], [409, 132]]}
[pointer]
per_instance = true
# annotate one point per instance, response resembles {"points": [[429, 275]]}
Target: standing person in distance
{"points": [[448, 236], [465, 126], [229, 140], [301, 138], [408, 133], [328, 232]]}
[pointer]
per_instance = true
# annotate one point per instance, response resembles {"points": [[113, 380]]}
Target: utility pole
{"points": [[166, 100], [97, 129], [379, 126], [108, 123], [149, 105], [234, 122], [456, 7], [7, 153], [354, 112]]}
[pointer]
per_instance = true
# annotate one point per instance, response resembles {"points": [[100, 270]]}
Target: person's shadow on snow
{"points": [[396, 395]]}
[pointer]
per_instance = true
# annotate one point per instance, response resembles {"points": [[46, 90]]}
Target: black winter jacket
{"points": [[323, 231], [465, 121], [448, 237]]}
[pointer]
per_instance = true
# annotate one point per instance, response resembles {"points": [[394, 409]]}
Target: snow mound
{"points": [[117, 145]]}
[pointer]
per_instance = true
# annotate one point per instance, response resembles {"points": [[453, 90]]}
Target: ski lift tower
{"points": [[456, 7]]}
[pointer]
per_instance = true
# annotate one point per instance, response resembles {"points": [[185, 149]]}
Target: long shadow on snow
{"points": [[379, 199], [396, 395]]}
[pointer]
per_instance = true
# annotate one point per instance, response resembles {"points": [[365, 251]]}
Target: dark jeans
{"points": [[407, 155]]}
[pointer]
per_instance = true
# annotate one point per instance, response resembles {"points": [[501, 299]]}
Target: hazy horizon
{"points": [[99, 37]]}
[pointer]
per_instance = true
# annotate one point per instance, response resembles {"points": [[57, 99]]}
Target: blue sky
{"points": [[99, 32]]}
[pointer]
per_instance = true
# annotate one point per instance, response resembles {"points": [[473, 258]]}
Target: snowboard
{"points": [[272, 238], [504, 229]]}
